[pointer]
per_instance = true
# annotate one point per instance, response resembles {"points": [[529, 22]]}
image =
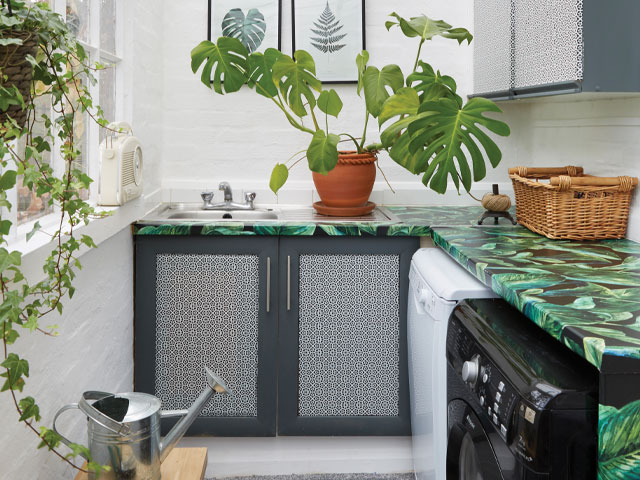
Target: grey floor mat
{"points": [[331, 476]]}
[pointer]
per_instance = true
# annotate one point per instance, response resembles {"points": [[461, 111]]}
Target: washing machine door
{"points": [[470, 453]]}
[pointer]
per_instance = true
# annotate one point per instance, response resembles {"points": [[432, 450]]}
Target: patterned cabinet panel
{"points": [[343, 365], [492, 46], [349, 320], [548, 41], [203, 302], [207, 314]]}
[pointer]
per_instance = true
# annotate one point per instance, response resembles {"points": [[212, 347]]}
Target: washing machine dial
{"points": [[470, 370]]}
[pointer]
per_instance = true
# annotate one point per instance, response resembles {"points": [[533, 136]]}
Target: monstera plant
{"points": [[425, 126]]}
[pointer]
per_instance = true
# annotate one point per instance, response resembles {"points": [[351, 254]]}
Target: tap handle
{"points": [[249, 197], [206, 197]]}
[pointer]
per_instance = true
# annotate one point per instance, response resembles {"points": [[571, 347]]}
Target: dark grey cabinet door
{"points": [[209, 301], [342, 348]]}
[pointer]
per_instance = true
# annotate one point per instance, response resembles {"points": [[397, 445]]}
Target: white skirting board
{"points": [[230, 457]]}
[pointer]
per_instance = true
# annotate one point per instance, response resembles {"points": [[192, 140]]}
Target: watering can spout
{"points": [[214, 385]]}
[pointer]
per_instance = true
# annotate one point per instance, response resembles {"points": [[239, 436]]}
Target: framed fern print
{"points": [[333, 32], [256, 23]]}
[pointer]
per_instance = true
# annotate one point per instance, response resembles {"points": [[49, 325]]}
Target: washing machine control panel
{"points": [[494, 393]]}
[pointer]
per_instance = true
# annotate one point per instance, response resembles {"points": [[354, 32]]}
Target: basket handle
{"points": [[550, 171], [626, 184]]}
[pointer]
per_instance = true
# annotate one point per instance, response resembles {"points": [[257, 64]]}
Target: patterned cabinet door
{"points": [[548, 42], [492, 46], [343, 336], [204, 302]]}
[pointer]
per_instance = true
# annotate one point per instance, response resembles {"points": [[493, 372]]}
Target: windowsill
{"points": [[100, 229]]}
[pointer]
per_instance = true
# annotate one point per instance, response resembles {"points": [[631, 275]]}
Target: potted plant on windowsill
{"points": [[434, 132]]}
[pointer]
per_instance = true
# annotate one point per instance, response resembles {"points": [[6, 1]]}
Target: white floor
{"points": [[229, 457]]}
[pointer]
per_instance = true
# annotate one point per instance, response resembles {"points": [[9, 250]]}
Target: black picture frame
{"points": [[210, 29], [364, 40]]}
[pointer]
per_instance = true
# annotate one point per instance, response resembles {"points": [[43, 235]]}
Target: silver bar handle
{"points": [[288, 282], [268, 284]]}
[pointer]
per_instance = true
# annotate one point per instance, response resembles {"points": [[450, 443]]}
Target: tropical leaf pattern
{"points": [[585, 294], [249, 29], [619, 442], [328, 32]]}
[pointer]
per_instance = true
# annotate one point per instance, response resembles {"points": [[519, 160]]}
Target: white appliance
{"points": [[120, 166], [436, 284]]}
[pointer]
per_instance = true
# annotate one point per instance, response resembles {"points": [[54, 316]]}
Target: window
{"points": [[98, 26]]}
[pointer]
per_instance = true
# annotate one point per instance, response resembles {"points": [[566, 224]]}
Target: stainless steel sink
{"points": [[193, 213], [216, 215]]}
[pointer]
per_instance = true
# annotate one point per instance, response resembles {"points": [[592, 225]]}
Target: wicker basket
{"points": [[572, 205], [13, 64]]}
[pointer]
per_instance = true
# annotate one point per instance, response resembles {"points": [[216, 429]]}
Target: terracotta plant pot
{"points": [[350, 183]]}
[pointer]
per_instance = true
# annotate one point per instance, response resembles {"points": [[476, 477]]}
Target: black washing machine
{"points": [[520, 404]]}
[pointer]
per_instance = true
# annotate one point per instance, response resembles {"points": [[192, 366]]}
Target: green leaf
{"points": [[322, 153], [432, 85], [427, 28], [36, 227], [250, 30], [9, 258], [619, 441], [443, 128], [8, 180], [17, 368], [361, 62], [279, 177], [296, 79], [404, 102], [228, 57], [5, 227], [10, 41], [261, 72], [376, 83], [329, 102], [593, 350], [29, 409]]}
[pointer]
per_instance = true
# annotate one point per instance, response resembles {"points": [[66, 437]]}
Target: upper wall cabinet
{"points": [[526, 48]]}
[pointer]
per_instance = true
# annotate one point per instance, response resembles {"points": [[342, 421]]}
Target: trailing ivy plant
{"points": [[425, 125], [61, 72]]}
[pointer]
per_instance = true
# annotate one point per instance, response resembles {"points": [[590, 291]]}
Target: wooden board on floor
{"points": [[181, 464]]}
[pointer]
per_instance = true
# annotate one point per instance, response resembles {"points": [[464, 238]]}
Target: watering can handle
{"points": [[64, 439], [99, 417]]}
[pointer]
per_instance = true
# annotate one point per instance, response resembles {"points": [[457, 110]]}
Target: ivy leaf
{"points": [[329, 102], [376, 83], [29, 409], [5, 227], [36, 227], [17, 368], [279, 177], [261, 72], [10, 41], [8, 180], [322, 153], [229, 58], [296, 79], [50, 439], [7, 259]]}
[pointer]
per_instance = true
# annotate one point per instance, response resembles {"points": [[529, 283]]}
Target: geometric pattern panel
{"points": [[349, 322], [492, 46], [207, 315], [548, 41]]}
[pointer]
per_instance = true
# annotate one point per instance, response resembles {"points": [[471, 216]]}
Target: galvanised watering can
{"points": [[124, 429]]}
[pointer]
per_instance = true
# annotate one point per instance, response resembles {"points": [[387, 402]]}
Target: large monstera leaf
{"points": [[261, 72], [426, 28], [444, 128], [249, 29], [431, 85], [619, 442], [227, 59], [296, 79]]}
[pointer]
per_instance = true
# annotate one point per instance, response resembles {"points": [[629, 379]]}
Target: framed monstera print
{"points": [[333, 32], [256, 23]]}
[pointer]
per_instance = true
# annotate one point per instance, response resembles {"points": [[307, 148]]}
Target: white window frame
{"points": [[122, 108]]}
